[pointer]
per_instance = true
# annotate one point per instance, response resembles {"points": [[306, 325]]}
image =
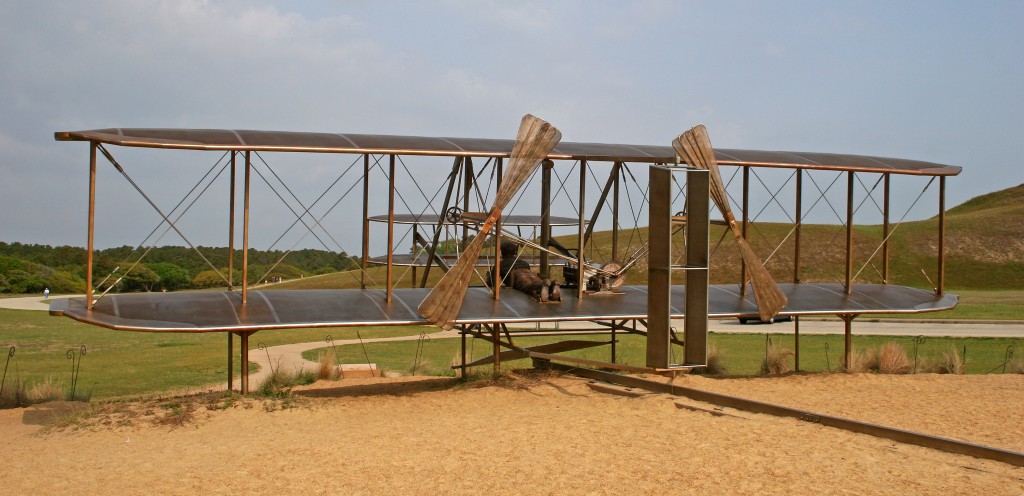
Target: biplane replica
{"points": [[489, 184]]}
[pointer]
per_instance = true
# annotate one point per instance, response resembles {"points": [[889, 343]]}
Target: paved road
{"points": [[31, 302]]}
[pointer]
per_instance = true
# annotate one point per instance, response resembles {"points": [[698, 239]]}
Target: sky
{"points": [[938, 81]]}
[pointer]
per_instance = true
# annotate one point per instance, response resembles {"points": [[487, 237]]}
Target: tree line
{"points": [[29, 268]]}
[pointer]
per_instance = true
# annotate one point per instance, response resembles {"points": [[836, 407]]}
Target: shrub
{"points": [[325, 369], [892, 359], [861, 361], [951, 363], [14, 395], [776, 360], [49, 389], [279, 383]]}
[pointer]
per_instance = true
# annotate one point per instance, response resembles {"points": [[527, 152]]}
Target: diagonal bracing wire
{"points": [[893, 230], [318, 220], [158, 210], [176, 219]]}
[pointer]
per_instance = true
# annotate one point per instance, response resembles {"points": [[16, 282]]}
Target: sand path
{"points": [[546, 435]]}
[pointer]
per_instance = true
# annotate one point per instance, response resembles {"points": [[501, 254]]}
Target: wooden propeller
{"points": [[694, 147], [536, 138]]}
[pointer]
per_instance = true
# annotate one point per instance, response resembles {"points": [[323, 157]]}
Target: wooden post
{"points": [[231, 358], [847, 339], [244, 357]]}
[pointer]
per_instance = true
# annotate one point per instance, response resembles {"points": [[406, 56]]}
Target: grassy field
{"points": [[741, 354], [118, 363]]}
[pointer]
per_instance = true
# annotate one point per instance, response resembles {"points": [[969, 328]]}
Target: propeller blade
{"points": [[535, 139], [694, 147]]}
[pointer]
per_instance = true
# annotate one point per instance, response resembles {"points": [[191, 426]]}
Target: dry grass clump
{"points": [[18, 394], [715, 365], [861, 361], [14, 395], [279, 383], [421, 366], [776, 360], [325, 369], [893, 359], [950, 363], [49, 389]]}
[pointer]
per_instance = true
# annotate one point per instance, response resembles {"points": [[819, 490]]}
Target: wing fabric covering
{"points": [[694, 147], [536, 138]]}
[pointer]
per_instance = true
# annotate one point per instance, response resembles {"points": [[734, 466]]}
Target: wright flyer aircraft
{"points": [[493, 255]]}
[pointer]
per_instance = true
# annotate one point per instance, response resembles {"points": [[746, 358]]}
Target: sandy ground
{"points": [[543, 434]]}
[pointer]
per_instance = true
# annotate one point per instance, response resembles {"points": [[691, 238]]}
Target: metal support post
{"points": [[231, 228], [391, 225], [580, 255], [91, 225], [244, 357], [497, 238], [697, 234], [231, 359], [545, 216], [245, 233], [941, 288], [847, 339], [366, 220], [745, 223], [659, 267], [885, 231], [615, 215], [796, 261], [849, 231]]}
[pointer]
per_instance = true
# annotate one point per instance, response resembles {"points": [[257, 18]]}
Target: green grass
{"points": [[741, 353], [119, 363]]}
